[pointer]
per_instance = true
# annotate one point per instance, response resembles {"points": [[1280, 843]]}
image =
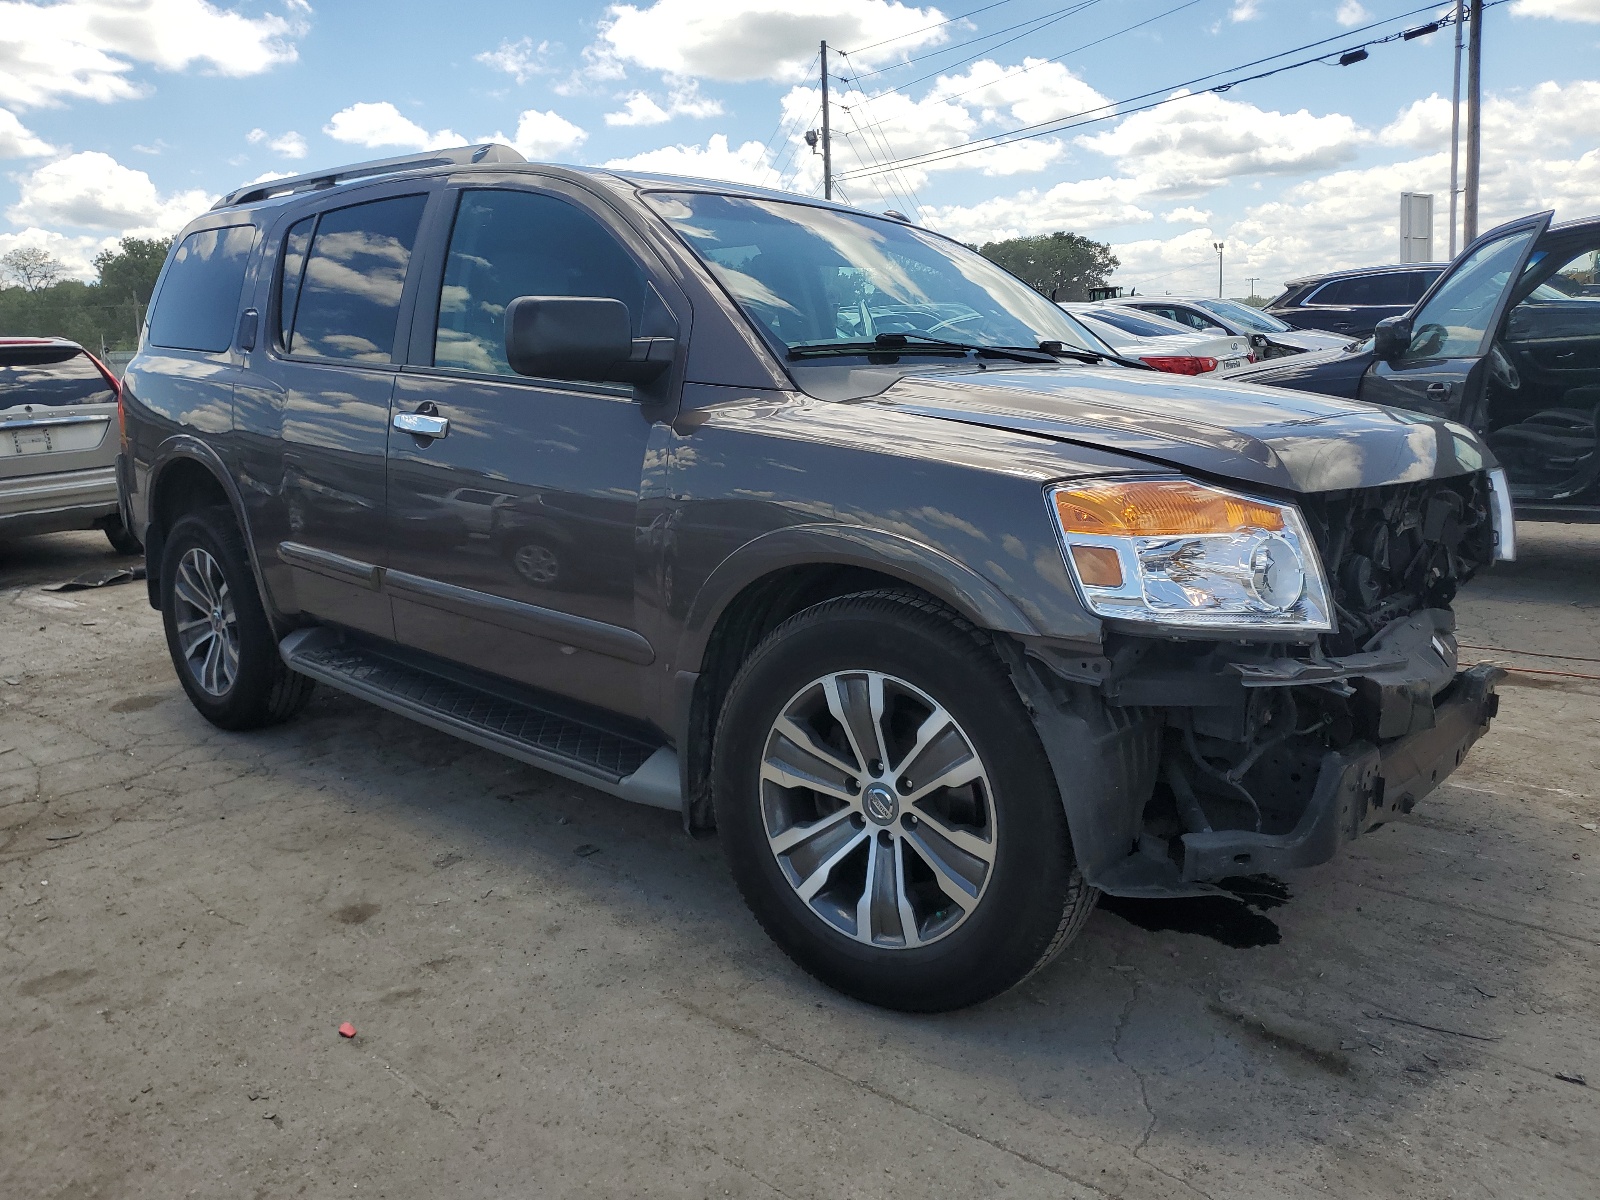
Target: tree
{"points": [[1067, 264], [129, 273], [31, 267]]}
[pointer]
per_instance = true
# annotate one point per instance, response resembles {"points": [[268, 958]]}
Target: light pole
{"points": [[1455, 132], [1218, 247]]}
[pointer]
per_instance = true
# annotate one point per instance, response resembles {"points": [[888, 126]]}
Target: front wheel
{"points": [[887, 809]]}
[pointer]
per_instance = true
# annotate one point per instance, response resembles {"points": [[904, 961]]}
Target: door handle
{"points": [[1438, 391], [421, 424]]}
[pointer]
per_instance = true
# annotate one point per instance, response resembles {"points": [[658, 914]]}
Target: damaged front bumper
{"points": [[1357, 789], [1186, 766]]}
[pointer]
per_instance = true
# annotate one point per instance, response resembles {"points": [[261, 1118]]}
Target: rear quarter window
{"points": [[52, 378], [197, 305]]}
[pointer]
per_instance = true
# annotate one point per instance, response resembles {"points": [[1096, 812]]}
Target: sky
{"points": [[129, 117]]}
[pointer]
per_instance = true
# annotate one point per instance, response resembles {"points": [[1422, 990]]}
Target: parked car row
{"points": [[1162, 344]]}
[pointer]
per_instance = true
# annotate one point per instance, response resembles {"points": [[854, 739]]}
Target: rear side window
{"points": [[198, 303], [347, 304], [508, 244], [51, 377]]}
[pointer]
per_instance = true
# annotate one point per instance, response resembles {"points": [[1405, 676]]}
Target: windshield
{"points": [[1243, 314], [813, 276]]}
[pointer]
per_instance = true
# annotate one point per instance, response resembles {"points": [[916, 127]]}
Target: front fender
{"points": [[953, 582]]}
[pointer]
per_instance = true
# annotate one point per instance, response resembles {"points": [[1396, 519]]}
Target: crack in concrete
{"points": [[891, 1098], [1144, 1094]]}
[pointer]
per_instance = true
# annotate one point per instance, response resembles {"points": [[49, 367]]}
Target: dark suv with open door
{"points": [[809, 525], [1507, 342]]}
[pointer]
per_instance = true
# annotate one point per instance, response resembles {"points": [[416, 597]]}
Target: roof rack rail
{"points": [[490, 152]]}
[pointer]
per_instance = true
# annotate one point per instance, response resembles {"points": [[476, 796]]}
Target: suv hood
{"points": [[1292, 441]]}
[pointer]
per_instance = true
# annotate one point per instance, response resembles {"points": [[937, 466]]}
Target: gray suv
{"points": [[809, 525]]}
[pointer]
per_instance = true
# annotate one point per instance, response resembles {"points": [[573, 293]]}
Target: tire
{"points": [[975, 929], [122, 541], [230, 665]]}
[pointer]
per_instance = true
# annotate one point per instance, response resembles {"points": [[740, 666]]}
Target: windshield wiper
{"points": [[898, 343]]}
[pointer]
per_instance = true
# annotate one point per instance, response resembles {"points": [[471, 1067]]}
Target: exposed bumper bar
{"points": [[1357, 788]]}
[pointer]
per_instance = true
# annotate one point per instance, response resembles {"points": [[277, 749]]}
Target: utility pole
{"points": [[1469, 216], [1218, 247], [1455, 132], [828, 141], [1252, 281]]}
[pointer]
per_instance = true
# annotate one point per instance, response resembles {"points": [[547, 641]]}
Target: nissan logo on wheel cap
{"points": [[880, 804]]}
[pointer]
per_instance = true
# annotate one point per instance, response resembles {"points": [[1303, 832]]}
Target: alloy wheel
{"points": [[878, 809], [207, 624]]}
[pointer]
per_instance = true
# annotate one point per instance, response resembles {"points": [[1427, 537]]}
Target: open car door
{"points": [[1436, 358]]}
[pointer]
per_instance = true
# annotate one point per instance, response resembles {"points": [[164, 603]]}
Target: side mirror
{"points": [[1392, 337], [581, 337]]}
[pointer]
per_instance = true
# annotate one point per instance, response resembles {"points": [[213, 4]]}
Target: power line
{"points": [[1075, 50], [900, 37], [1030, 26], [1116, 108]]}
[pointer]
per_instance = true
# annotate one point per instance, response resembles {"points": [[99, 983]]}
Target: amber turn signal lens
{"points": [[1098, 566], [1160, 508]]}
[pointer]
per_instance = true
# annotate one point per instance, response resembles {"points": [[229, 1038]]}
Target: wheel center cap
{"points": [[880, 804]]}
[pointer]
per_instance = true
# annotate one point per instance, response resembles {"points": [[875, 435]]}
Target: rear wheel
{"points": [[217, 632], [887, 809], [121, 539]]}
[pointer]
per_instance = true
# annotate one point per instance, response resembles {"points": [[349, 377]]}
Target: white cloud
{"points": [[1037, 91], [1561, 10], [289, 145], [1351, 12], [1351, 217], [17, 141], [382, 124], [1245, 10], [1189, 214], [715, 160], [1080, 205], [683, 100], [741, 40], [1206, 140], [75, 254], [91, 190], [543, 135], [86, 49], [521, 60]]}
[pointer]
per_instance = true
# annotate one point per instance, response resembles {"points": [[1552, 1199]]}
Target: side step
{"points": [[562, 743]]}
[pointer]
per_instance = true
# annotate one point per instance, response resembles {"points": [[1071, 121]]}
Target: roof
{"points": [[1353, 272], [493, 153]]}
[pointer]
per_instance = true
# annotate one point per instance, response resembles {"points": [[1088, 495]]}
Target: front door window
{"points": [[1455, 321]]}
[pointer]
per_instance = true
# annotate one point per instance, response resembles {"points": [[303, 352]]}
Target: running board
{"points": [[563, 744]]}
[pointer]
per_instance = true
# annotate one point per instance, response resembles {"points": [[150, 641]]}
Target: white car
{"points": [[1164, 345], [1270, 337]]}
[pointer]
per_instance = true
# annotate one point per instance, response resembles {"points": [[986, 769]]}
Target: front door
{"points": [[514, 507], [1442, 373]]}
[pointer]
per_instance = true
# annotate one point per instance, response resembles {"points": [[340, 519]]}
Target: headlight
{"points": [[1176, 553]]}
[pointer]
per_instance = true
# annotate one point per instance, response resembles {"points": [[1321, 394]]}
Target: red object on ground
{"points": [[347, 1030]]}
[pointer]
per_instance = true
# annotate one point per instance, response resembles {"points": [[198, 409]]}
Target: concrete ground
{"points": [[558, 994]]}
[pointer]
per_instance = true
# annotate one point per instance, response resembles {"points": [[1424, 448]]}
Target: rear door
{"points": [[57, 412], [1442, 372], [313, 404]]}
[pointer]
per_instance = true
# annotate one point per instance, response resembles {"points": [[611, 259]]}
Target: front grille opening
{"points": [[1392, 551]]}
